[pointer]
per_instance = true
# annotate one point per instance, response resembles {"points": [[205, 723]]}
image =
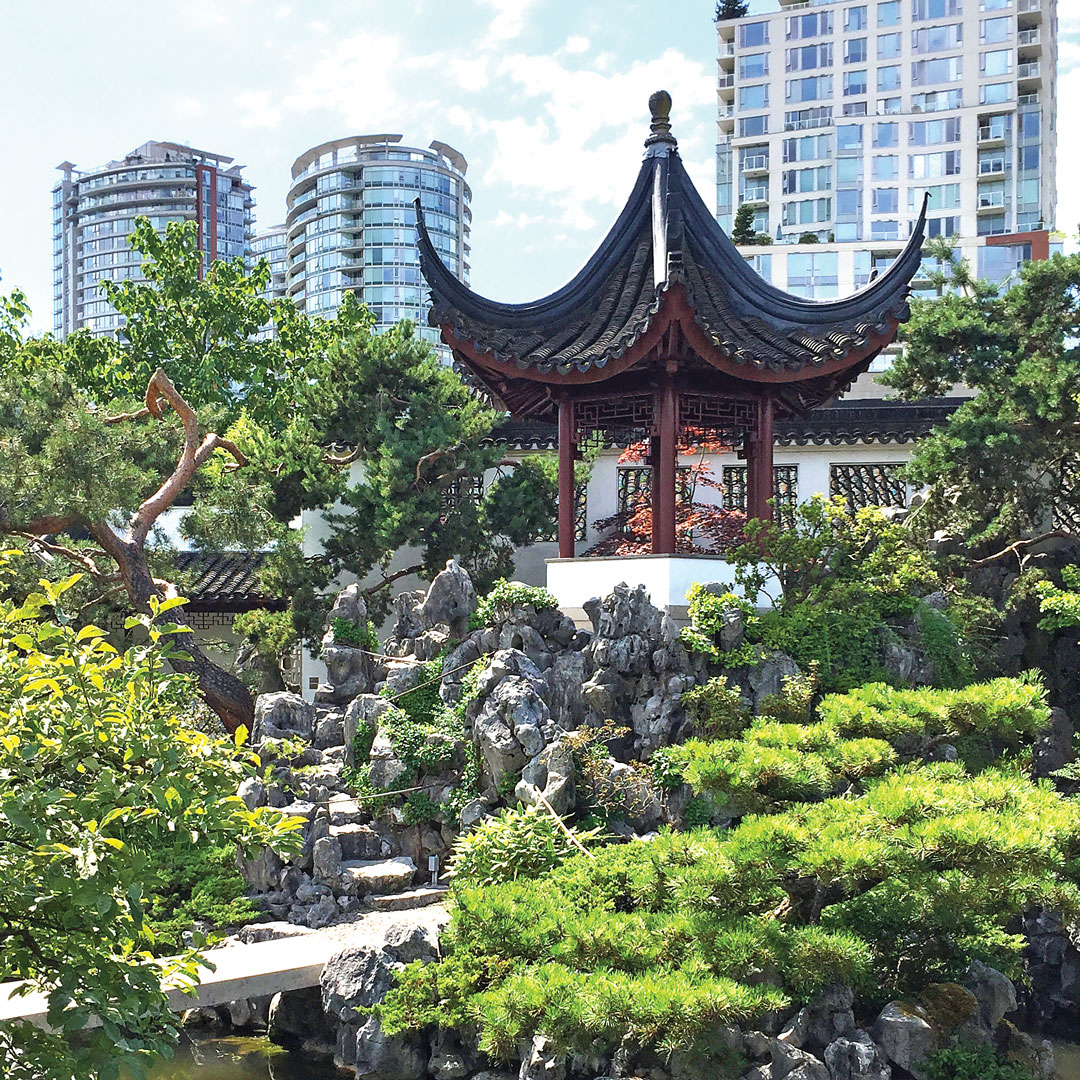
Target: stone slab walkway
{"points": [[259, 969]]}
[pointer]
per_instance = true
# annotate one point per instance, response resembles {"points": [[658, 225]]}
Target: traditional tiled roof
{"points": [[847, 423], [223, 581], [666, 258]]}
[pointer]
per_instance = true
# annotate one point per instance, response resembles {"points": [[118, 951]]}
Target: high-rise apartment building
{"points": [[836, 118], [351, 225], [94, 214], [270, 245]]}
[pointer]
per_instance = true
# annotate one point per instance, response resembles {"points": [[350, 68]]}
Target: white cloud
{"points": [[576, 43], [509, 20], [518, 221], [257, 109], [184, 108]]}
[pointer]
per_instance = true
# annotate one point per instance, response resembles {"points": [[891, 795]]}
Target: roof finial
{"points": [[660, 128]]}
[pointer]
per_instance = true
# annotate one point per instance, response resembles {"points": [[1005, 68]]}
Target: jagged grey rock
{"points": [[283, 716], [768, 677], [450, 600], [856, 1058], [262, 871], [791, 1063], [828, 1017], [297, 1019], [326, 859], [905, 1036], [386, 766], [253, 792], [364, 709], [540, 1062], [551, 773], [994, 992]]}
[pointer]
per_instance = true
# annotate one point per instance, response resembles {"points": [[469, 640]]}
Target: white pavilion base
{"points": [[666, 577]]}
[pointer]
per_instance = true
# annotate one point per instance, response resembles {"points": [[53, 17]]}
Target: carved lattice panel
{"points": [[630, 417], [581, 520], [713, 413], [467, 488], [868, 484], [635, 482], [785, 491], [1065, 510]]}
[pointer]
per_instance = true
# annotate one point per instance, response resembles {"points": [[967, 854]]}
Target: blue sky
{"points": [[546, 99]]}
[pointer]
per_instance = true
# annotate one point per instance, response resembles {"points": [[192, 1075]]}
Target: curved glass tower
{"points": [[94, 214], [351, 226]]}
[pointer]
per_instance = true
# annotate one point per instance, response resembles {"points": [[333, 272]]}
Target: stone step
{"points": [[360, 842], [412, 898], [366, 877]]}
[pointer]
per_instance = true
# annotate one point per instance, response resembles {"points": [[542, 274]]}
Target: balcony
{"points": [[725, 81], [1028, 37], [1029, 7], [992, 167], [1029, 70], [757, 163], [1031, 98], [724, 110], [991, 200], [725, 49], [992, 134], [757, 194]]}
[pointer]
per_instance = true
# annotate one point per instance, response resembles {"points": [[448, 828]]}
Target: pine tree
{"points": [[743, 230], [731, 9]]}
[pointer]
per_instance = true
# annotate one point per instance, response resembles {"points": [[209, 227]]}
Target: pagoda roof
{"points": [[666, 261]]}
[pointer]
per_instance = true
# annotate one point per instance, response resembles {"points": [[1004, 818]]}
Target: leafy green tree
{"points": [[98, 770], [245, 426], [993, 470], [731, 9], [742, 231]]}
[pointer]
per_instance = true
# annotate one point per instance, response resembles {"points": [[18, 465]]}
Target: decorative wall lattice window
{"points": [[868, 484], [581, 520], [785, 491], [1065, 512], [467, 488], [635, 481]]}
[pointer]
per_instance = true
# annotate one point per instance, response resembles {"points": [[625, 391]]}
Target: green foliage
{"points": [[972, 1063], [99, 772], [346, 632], [504, 596], [886, 891], [718, 711], [785, 755], [524, 843], [742, 231], [993, 468], [188, 884], [1060, 607], [839, 580], [731, 9]]}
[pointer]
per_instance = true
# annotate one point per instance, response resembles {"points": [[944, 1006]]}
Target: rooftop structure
{"points": [[666, 330], [94, 214]]}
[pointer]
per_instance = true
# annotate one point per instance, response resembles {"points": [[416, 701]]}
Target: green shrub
{"points": [[516, 844], [346, 632], [506, 595], [718, 711], [972, 1063], [887, 891]]}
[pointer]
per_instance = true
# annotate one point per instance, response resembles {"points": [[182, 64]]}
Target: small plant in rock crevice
{"points": [[506, 595], [346, 632]]}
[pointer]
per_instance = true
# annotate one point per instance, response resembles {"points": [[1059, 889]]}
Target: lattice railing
{"points": [[869, 484], [635, 484]]}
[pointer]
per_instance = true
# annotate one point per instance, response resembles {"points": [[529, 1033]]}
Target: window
{"points": [[884, 230], [847, 202], [992, 225], [889, 106], [753, 35], [993, 30], [1029, 157], [801, 180], [922, 166], [854, 83], [848, 170], [1030, 124], [932, 132], [846, 231], [854, 108], [868, 484], [807, 148], [807, 211], [995, 93], [995, 127], [753, 66], [937, 38], [885, 167], [1001, 261], [996, 62], [937, 101], [754, 125], [761, 264], [935, 9], [888, 14], [940, 69], [855, 18], [886, 200], [855, 51], [814, 88], [754, 97], [942, 197], [813, 273], [944, 226], [886, 135], [785, 491], [808, 26], [800, 119], [808, 57], [888, 46], [993, 5], [848, 136], [888, 78]]}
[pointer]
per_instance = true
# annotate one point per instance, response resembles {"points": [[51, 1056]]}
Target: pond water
{"points": [[241, 1059]]}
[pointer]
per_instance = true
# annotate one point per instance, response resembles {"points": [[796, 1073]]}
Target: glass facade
{"points": [[351, 226], [94, 216]]}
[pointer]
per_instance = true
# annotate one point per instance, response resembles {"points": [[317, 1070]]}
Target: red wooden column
{"points": [[654, 483], [566, 477], [759, 464], [664, 473]]}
